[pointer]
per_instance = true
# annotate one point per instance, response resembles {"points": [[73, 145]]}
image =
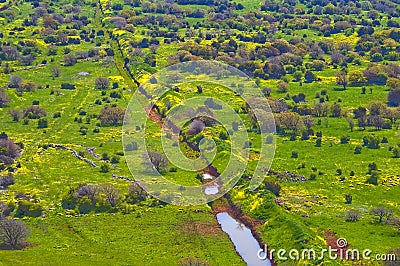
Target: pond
{"points": [[245, 243]]}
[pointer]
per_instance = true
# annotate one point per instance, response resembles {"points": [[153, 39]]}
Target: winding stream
{"points": [[245, 243]]}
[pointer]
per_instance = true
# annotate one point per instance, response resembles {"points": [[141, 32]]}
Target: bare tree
{"points": [[119, 22], [10, 52], [15, 114], [341, 79], [4, 210], [91, 191], [9, 148], [155, 160], [112, 195], [353, 215], [6, 181], [196, 126], [377, 121], [381, 213], [136, 193], [69, 60], [308, 122], [13, 232], [4, 99], [55, 71], [14, 81], [111, 116], [350, 121], [34, 112], [261, 119], [102, 83], [321, 109], [291, 121]]}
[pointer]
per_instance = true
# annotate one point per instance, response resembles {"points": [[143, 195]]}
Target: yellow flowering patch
{"points": [[116, 78], [255, 204], [144, 77], [240, 195], [119, 32]]}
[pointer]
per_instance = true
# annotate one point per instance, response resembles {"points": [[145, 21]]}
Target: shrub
{"points": [[104, 168], [344, 139], [295, 154], [318, 142], [283, 87], [273, 187], [372, 167], [131, 147], [4, 99], [28, 208], [34, 112], [136, 194], [115, 95], [222, 135], [394, 97], [115, 159], [83, 130], [6, 181], [348, 198], [42, 123], [371, 141], [105, 157], [69, 60], [8, 150], [396, 152], [373, 178], [14, 81], [357, 149], [192, 262], [353, 216], [15, 114], [67, 86]]}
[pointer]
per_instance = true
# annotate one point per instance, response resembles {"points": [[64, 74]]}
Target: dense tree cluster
{"points": [[87, 198]]}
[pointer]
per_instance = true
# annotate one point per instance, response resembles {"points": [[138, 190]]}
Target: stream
{"points": [[245, 243]]}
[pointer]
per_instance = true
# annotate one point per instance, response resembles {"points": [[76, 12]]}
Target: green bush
{"points": [[28, 208]]}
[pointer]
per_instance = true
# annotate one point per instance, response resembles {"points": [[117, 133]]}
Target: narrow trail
{"points": [[120, 63]]}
